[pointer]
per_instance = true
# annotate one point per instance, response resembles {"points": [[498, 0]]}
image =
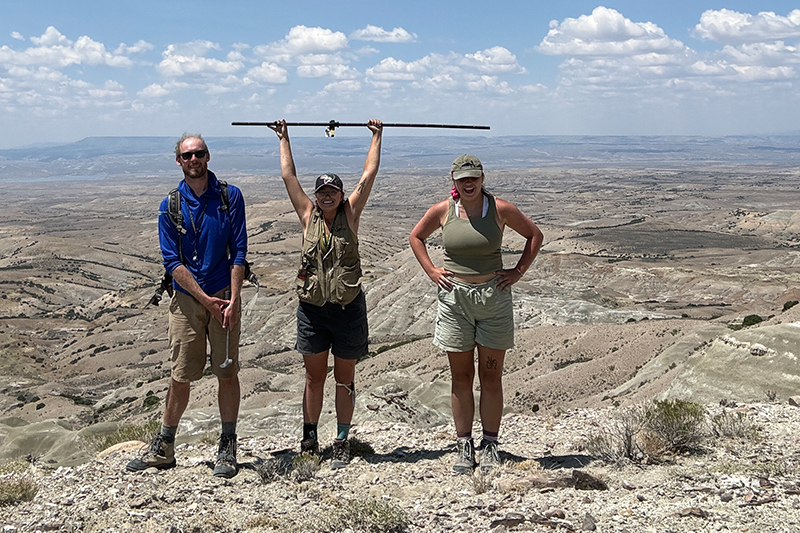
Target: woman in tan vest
{"points": [[475, 307], [332, 312]]}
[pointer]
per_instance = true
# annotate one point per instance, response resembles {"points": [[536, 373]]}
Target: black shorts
{"points": [[331, 327]]}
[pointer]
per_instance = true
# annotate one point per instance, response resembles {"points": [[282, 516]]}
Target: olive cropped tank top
{"points": [[472, 246]]}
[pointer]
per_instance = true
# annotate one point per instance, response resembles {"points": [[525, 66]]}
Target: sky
{"points": [[79, 68]]}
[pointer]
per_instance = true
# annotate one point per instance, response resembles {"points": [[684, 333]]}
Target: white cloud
{"points": [[267, 73], [321, 71], [17, 35], [391, 69], [138, 47], [495, 60], [55, 50], [605, 32], [302, 40], [349, 86], [489, 83], [189, 58], [731, 27], [378, 34], [51, 37], [771, 54], [154, 90]]}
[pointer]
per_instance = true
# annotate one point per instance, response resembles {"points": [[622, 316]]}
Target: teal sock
{"points": [[342, 431]]}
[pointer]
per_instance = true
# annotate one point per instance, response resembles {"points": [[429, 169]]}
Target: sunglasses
{"points": [[199, 154]]}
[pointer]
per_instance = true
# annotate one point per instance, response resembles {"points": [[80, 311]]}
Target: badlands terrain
{"points": [[639, 292]]}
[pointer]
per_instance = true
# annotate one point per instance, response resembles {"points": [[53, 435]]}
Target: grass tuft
{"points": [[144, 432]]}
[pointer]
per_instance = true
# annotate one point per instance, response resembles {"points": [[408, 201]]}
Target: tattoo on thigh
{"points": [[491, 363]]}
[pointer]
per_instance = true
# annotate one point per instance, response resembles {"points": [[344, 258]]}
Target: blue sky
{"points": [[73, 69]]}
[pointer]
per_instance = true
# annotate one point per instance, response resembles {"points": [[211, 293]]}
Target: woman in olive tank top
{"points": [[475, 310]]}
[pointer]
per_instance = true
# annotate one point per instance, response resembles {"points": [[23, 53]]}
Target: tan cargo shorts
{"points": [[190, 325]]}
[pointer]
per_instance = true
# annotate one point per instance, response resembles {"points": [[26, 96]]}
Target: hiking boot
{"points": [[341, 454], [465, 463], [490, 456], [309, 446], [226, 457], [160, 454]]}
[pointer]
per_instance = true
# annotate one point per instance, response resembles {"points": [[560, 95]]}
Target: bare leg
{"points": [[228, 396], [177, 400], [462, 399], [344, 370], [490, 376], [316, 372]]}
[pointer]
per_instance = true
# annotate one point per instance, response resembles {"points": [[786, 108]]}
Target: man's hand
{"points": [[216, 306], [230, 313]]}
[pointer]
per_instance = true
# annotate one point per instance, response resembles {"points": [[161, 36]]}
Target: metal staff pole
{"points": [[333, 124]]}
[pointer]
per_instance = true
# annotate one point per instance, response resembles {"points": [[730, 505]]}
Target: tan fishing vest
{"points": [[332, 276]]}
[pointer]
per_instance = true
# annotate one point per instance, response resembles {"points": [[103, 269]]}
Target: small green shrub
{"points": [[16, 487], [305, 466], [14, 491], [618, 439], [751, 320], [273, 469], [363, 516], [637, 432], [673, 426], [150, 401], [789, 305], [738, 425]]}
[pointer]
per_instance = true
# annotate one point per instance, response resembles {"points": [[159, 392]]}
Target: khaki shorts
{"points": [[470, 314], [190, 324]]}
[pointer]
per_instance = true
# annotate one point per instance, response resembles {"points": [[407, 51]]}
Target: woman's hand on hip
{"points": [[441, 278], [507, 277]]}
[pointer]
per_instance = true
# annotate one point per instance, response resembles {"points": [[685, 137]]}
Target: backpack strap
{"points": [[223, 194], [176, 217]]}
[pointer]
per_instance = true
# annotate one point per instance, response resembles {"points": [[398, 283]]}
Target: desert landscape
{"points": [[659, 279]]}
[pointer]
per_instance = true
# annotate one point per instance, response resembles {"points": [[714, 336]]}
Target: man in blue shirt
{"points": [[206, 258]]}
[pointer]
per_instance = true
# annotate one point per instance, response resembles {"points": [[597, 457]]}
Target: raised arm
{"points": [[301, 202], [429, 223], [358, 198], [512, 217]]}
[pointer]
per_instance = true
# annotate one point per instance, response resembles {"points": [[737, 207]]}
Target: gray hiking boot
{"points": [[465, 463], [309, 446], [225, 465], [160, 454], [341, 454], [490, 456]]}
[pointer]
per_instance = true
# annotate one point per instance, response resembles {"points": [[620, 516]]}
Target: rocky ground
{"points": [[548, 482], [639, 292]]}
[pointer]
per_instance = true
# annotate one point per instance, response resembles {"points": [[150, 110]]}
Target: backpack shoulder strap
{"points": [[223, 194], [174, 210]]}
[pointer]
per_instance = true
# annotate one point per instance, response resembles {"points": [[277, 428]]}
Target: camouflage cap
{"points": [[466, 166]]}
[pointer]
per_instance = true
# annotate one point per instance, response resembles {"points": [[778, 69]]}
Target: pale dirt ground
{"points": [[691, 253]]}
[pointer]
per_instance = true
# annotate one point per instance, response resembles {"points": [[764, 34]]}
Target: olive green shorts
{"points": [[190, 324], [470, 314]]}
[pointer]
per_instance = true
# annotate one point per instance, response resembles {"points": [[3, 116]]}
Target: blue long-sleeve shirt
{"points": [[210, 234]]}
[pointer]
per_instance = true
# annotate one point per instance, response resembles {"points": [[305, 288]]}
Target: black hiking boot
{"points": [[225, 465]]}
